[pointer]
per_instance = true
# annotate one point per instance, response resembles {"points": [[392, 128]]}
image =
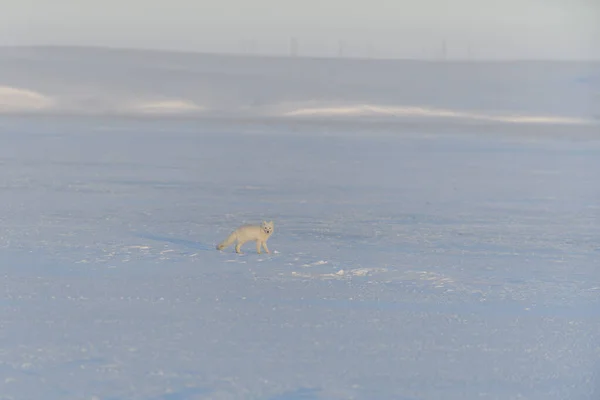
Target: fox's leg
{"points": [[258, 245], [238, 248], [264, 244]]}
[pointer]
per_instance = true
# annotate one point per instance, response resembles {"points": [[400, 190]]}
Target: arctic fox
{"points": [[245, 233]]}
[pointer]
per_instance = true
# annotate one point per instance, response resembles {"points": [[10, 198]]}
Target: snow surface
{"points": [[405, 264]]}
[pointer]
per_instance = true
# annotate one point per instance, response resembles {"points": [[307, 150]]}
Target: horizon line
{"points": [[298, 56]]}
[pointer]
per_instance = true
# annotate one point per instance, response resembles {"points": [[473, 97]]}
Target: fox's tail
{"points": [[227, 242]]}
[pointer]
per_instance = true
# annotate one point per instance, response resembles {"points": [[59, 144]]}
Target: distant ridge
{"points": [[76, 80], [159, 51]]}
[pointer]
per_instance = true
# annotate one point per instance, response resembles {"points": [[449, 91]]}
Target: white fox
{"points": [[245, 233]]}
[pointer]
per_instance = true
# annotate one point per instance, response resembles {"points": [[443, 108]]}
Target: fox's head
{"points": [[267, 227]]}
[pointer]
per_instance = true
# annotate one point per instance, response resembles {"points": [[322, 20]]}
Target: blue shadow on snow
{"points": [[180, 242], [299, 394]]}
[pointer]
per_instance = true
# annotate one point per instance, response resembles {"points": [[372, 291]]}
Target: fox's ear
{"points": [[271, 222], [264, 222]]}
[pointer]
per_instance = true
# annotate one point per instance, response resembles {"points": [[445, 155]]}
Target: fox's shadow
{"points": [[180, 242]]}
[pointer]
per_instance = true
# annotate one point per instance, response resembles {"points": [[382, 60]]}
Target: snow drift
{"points": [[173, 107], [18, 100], [368, 110]]}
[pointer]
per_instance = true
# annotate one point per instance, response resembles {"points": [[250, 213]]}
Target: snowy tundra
{"points": [[414, 258]]}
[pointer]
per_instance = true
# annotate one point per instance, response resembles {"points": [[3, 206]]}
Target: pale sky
{"points": [[549, 29]]}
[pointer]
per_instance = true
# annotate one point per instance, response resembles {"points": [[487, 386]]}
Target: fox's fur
{"points": [[245, 233]]}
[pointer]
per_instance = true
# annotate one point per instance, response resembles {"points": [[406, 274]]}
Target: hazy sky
{"points": [[563, 29]]}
